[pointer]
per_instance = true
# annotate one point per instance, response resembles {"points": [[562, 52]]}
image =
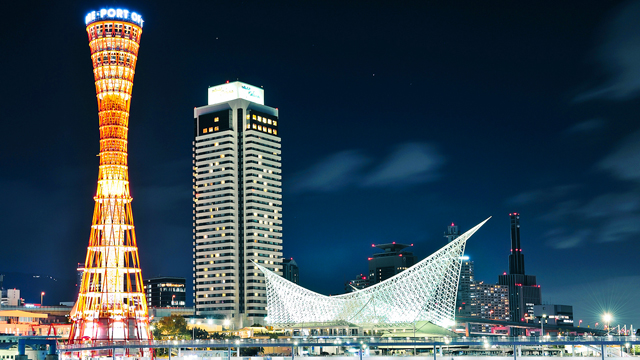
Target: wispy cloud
{"points": [[621, 228], [332, 173], [620, 56], [409, 164], [586, 126], [624, 162], [541, 195], [562, 239], [406, 165]]}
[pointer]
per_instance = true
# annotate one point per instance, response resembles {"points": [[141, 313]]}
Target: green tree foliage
{"points": [[199, 333], [172, 327]]}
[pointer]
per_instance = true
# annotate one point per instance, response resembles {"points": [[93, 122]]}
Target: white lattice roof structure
{"points": [[423, 292]]}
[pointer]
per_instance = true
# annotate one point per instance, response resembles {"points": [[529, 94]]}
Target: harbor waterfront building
{"points": [[425, 292], [237, 203], [290, 270]]}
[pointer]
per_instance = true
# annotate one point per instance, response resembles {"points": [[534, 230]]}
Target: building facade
{"points": [[237, 210], [165, 292], [524, 293], [290, 270], [389, 263], [358, 283]]}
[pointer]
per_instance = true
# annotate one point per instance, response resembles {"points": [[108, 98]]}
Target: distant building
{"points": [[165, 292], [79, 273], [554, 314], [360, 282], [452, 232], [392, 261], [463, 300], [489, 301], [524, 293], [290, 270], [11, 297]]}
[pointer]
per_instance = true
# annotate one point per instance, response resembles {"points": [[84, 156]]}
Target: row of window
{"points": [[263, 119], [211, 129], [263, 129]]}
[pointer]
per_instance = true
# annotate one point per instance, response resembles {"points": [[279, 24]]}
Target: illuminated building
{"points": [[389, 263], [358, 283], [111, 305], [524, 293], [237, 209], [424, 292], [165, 291]]}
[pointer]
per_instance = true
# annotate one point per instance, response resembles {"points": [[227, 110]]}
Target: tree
{"points": [[173, 327], [199, 333]]}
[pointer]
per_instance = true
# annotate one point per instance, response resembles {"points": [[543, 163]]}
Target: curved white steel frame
{"points": [[424, 292]]}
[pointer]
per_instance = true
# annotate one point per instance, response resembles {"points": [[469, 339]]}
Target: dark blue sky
{"points": [[396, 119]]}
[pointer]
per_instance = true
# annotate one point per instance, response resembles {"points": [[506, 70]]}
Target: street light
{"points": [[41, 297], [542, 319], [193, 330], [607, 318]]}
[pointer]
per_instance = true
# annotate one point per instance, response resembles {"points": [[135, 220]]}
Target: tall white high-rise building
{"points": [[237, 211]]}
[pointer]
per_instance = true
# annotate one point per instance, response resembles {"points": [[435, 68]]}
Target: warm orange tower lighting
{"points": [[111, 303]]}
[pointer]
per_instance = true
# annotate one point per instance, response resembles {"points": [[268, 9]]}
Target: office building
{"points": [[524, 293], [489, 301], [358, 283], [553, 314], [463, 300], [237, 209], [390, 262], [165, 292], [290, 270]]}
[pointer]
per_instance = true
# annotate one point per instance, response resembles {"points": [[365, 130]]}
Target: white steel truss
{"points": [[424, 292]]}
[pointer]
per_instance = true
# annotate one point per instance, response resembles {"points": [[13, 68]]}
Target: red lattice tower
{"points": [[111, 303]]}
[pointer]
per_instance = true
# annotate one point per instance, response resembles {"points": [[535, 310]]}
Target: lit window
{"points": [[259, 127], [254, 116], [248, 116], [248, 126], [269, 121], [269, 130], [204, 131], [216, 119], [210, 129], [217, 128], [275, 123], [275, 132], [260, 118]]}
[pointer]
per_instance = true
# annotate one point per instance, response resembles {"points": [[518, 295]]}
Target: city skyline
{"points": [[395, 122]]}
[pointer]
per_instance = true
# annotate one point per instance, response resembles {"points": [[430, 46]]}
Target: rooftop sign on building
{"points": [[235, 90]]}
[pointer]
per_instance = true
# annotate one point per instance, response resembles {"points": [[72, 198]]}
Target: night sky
{"points": [[397, 118]]}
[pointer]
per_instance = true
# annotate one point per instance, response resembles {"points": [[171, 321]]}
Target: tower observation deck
{"points": [[111, 304]]}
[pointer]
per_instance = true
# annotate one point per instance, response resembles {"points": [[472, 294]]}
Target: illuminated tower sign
{"points": [[111, 304]]}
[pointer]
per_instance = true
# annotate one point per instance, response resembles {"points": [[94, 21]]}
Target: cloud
{"points": [[586, 126], [561, 239], [541, 195], [612, 204], [620, 56], [409, 164], [332, 173], [624, 162], [621, 228]]}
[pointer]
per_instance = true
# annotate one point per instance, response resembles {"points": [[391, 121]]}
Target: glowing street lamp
{"points": [[41, 297], [607, 318]]}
